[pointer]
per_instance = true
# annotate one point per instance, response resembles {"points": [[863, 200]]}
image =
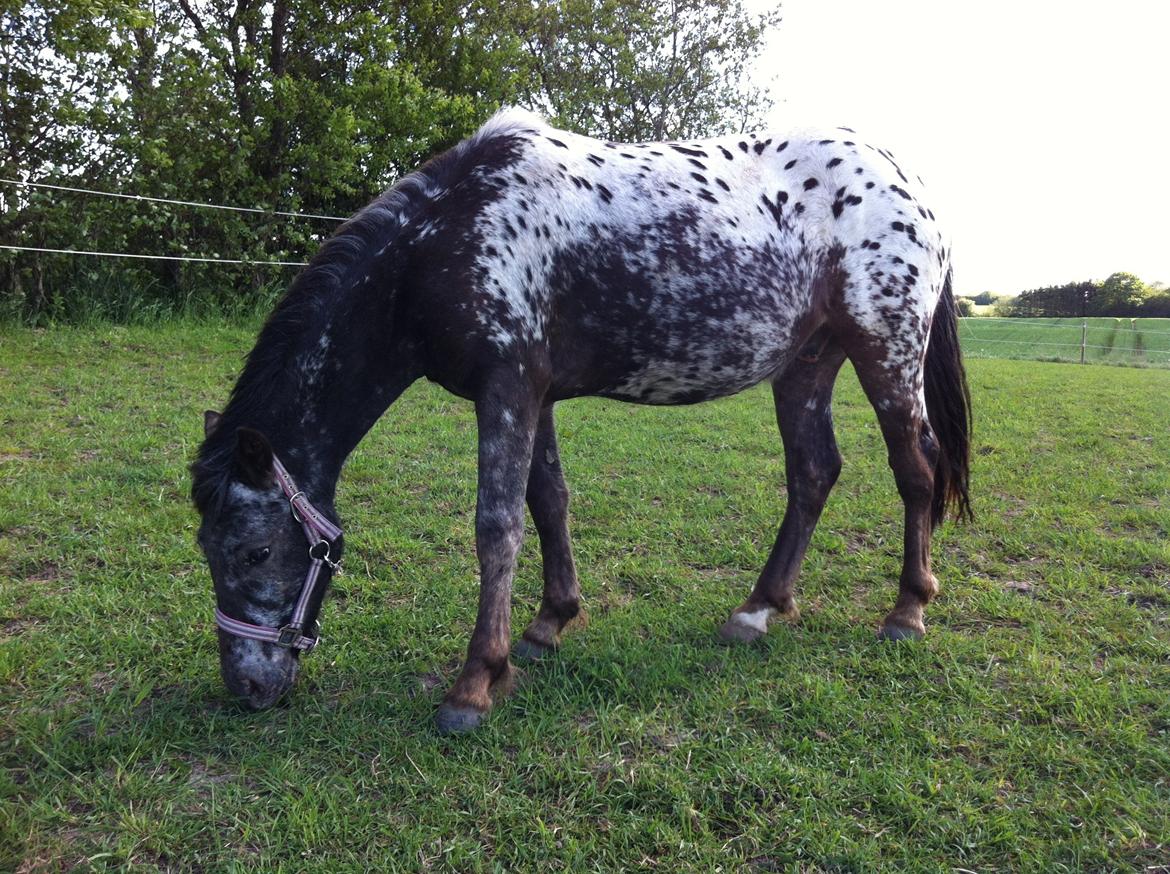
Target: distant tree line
{"points": [[313, 106], [1121, 295]]}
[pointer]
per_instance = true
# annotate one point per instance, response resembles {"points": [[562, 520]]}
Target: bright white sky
{"points": [[1042, 128]]}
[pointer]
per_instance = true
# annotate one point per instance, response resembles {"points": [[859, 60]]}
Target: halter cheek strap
{"points": [[321, 535]]}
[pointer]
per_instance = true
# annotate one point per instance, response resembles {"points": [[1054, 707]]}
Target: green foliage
{"points": [[637, 70], [964, 306], [985, 298], [1027, 733], [312, 107], [1122, 294]]}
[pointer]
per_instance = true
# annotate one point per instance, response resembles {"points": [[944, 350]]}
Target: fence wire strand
{"points": [[1120, 326], [143, 197], [197, 258]]}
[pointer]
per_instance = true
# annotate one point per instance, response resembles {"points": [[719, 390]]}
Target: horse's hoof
{"points": [[733, 631], [527, 649], [746, 626], [452, 719], [890, 631]]}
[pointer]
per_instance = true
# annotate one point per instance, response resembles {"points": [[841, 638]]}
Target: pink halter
{"points": [[320, 533]]}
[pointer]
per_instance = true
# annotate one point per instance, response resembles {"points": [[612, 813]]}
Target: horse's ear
{"points": [[210, 422], [254, 458]]}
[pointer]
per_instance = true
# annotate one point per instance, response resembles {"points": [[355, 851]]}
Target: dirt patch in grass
{"points": [[48, 572], [1020, 587]]}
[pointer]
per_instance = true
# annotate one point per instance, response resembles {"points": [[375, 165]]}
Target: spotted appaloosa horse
{"points": [[528, 265]]}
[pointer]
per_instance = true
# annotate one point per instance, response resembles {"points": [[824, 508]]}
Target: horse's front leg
{"points": [[507, 413]]}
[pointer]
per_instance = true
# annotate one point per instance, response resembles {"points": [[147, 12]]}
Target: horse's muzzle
{"points": [[258, 673]]}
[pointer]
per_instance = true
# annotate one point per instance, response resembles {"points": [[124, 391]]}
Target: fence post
{"points": [[1084, 333]]}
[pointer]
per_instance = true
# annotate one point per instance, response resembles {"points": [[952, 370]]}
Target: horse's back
{"points": [[673, 272]]}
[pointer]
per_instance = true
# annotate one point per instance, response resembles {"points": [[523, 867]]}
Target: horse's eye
{"points": [[257, 556]]}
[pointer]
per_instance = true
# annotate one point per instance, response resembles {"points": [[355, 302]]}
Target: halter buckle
{"points": [[289, 635]]}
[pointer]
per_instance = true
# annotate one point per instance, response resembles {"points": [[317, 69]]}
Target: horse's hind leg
{"points": [[896, 395], [803, 396], [548, 502]]}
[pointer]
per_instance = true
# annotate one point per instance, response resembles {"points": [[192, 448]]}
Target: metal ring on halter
{"points": [[335, 566], [292, 506]]}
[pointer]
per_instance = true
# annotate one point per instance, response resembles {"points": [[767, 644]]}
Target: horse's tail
{"points": [[948, 406]]}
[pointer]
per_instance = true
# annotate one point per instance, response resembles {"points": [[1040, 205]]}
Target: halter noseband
{"points": [[321, 534]]}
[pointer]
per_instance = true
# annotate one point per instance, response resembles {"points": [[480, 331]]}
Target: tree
{"points": [[636, 70], [1122, 294], [309, 107]]}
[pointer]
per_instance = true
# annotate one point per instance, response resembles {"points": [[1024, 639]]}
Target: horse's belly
{"points": [[674, 388], [707, 371]]}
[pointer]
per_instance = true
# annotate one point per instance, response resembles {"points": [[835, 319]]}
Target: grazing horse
{"points": [[528, 265]]}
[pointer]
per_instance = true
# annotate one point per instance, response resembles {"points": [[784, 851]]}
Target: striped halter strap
{"points": [[321, 535]]}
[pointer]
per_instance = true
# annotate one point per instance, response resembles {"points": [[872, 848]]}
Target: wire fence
{"points": [[143, 197], [201, 259], [1140, 342]]}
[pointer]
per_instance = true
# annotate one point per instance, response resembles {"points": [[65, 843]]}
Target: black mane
{"points": [[314, 291]]}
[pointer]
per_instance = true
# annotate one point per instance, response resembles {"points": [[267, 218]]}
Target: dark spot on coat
{"points": [[810, 184], [700, 178], [596, 161], [556, 142], [726, 154], [791, 164], [603, 192], [722, 184], [698, 153], [833, 163], [782, 146], [743, 147]]}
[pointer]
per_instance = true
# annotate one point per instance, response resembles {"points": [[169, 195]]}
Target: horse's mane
{"points": [[331, 270]]}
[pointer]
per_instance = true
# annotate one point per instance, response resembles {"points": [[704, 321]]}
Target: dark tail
{"points": [[948, 405]]}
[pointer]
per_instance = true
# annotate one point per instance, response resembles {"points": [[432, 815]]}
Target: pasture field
{"points": [[1138, 342], [1030, 731]]}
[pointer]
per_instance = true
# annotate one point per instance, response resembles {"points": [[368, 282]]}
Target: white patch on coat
{"points": [[834, 193], [756, 619]]}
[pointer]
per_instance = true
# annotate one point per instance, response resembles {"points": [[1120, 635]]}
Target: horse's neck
{"points": [[338, 384]]}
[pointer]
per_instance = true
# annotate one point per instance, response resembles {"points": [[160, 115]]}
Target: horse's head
{"points": [[269, 578]]}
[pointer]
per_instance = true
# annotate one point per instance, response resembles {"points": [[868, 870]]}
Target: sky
{"points": [[1040, 128]]}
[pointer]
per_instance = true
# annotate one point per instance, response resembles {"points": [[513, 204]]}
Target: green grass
{"points": [[1030, 731], [1139, 342]]}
